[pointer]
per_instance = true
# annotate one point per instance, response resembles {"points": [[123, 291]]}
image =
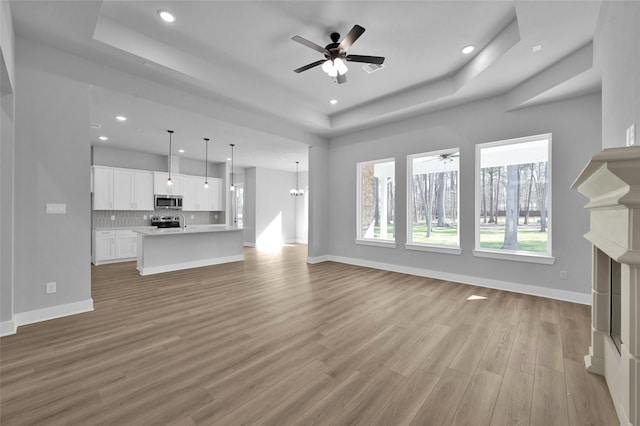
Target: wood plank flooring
{"points": [[276, 341]]}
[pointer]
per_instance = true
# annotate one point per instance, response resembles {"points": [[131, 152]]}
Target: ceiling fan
{"points": [[336, 53]]}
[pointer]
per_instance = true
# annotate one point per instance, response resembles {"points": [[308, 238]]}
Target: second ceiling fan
{"points": [[336, 53]]}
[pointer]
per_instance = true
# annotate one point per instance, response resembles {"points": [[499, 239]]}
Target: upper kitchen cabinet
{"points": [[133, 190], [198, 198], [102, 188], [215, 194], [160, 186]]}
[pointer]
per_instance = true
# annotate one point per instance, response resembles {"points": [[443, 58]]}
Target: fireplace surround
{"points": [[611, 181]]}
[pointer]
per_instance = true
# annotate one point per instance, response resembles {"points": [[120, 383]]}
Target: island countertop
{"points": [[171, 249], [190, 229]]}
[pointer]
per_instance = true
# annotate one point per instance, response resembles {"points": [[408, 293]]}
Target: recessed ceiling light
{"points": [[121, 118], [103, 138], [181, 151], [229, 159], [536, 48], [333, 101], [166, 16], [468, 49]]}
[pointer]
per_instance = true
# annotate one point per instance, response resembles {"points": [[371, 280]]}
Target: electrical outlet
{"points": [[192, 217], [113, 217], [56, 208], [50, 288], [144, 217], [564, 275]]}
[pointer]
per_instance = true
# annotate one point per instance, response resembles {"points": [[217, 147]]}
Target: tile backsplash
{"points": [[133, 218]]}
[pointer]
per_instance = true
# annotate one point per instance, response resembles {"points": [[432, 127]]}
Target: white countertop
{"points": [[190, 229]]}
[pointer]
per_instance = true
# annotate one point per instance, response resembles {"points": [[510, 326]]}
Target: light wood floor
{"points": [[273, 340]]}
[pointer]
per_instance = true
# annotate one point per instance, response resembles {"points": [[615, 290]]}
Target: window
{"points": [[432, 201], [513, 199], [376, 203]]}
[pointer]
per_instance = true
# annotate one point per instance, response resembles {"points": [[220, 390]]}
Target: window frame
{"points": [[437, 248], [515, 255], [371, 241]]}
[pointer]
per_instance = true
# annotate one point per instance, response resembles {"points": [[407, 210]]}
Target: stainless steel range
{"points": [[165, 221]]}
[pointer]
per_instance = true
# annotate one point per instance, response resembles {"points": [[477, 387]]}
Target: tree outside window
{"points": [[376, 200], [512, 196], [433, 199]]}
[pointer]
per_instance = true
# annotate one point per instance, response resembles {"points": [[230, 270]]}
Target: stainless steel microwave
{"points": [[168, 202]]}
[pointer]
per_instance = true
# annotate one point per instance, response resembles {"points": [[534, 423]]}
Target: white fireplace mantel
{"points": [[611, 181]]}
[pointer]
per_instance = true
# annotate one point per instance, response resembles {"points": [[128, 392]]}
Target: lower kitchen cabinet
{"points": [[114, 246]]}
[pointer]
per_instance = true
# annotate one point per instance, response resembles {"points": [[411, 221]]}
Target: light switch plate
{"points": [[56, 208]]}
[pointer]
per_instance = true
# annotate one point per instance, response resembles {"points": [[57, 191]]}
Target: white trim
{"points": [[515, 256], [150, 270], [118, 260], [377, 243], [359, 166], [318, 259], [53, 312], [478, 201], [248, 244], [7, 328], [410, 197], [551, 293], [433, 248]]}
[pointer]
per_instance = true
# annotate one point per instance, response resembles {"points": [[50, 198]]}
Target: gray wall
{"points": [[275, 208], [319, 207], [7, 155], [575, 125], [7, 158], [618, 56], [115, 157], [51, 166], [250, 206], [302, 210]]}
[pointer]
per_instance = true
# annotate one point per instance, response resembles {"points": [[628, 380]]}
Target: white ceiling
{"points": [[224, 69]]}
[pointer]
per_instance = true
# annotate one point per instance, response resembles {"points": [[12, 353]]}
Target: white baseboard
{"points": [[247, 244], [318, 259], [568, 296], [188, 265], [7, 328], [45, 314]]}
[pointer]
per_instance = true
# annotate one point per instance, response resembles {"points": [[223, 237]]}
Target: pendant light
{"points": [[296, 192], [206, 163], [232, 187], [169, 182]]}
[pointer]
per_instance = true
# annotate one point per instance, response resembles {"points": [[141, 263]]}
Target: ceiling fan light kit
{"points": [[335, 54]]}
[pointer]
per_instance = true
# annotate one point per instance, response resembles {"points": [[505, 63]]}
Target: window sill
{"points": [[434, 249], [516, 256], [377, 243]]}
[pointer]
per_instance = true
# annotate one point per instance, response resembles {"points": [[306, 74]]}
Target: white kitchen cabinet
{"points": [[188, 194], [103, 188], [160, 184], [215, 194], [126, 244], [104, 246], [133, 190], [143, 187], [198, 198], [114, 246]]}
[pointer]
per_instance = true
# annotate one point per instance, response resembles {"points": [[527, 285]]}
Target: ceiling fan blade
{"points": [[350, 38], [341, 78], [310, 44], [378, 60], [311, 65]]}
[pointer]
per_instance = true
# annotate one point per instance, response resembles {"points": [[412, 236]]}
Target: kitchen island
{"points": [[171, 249]]}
